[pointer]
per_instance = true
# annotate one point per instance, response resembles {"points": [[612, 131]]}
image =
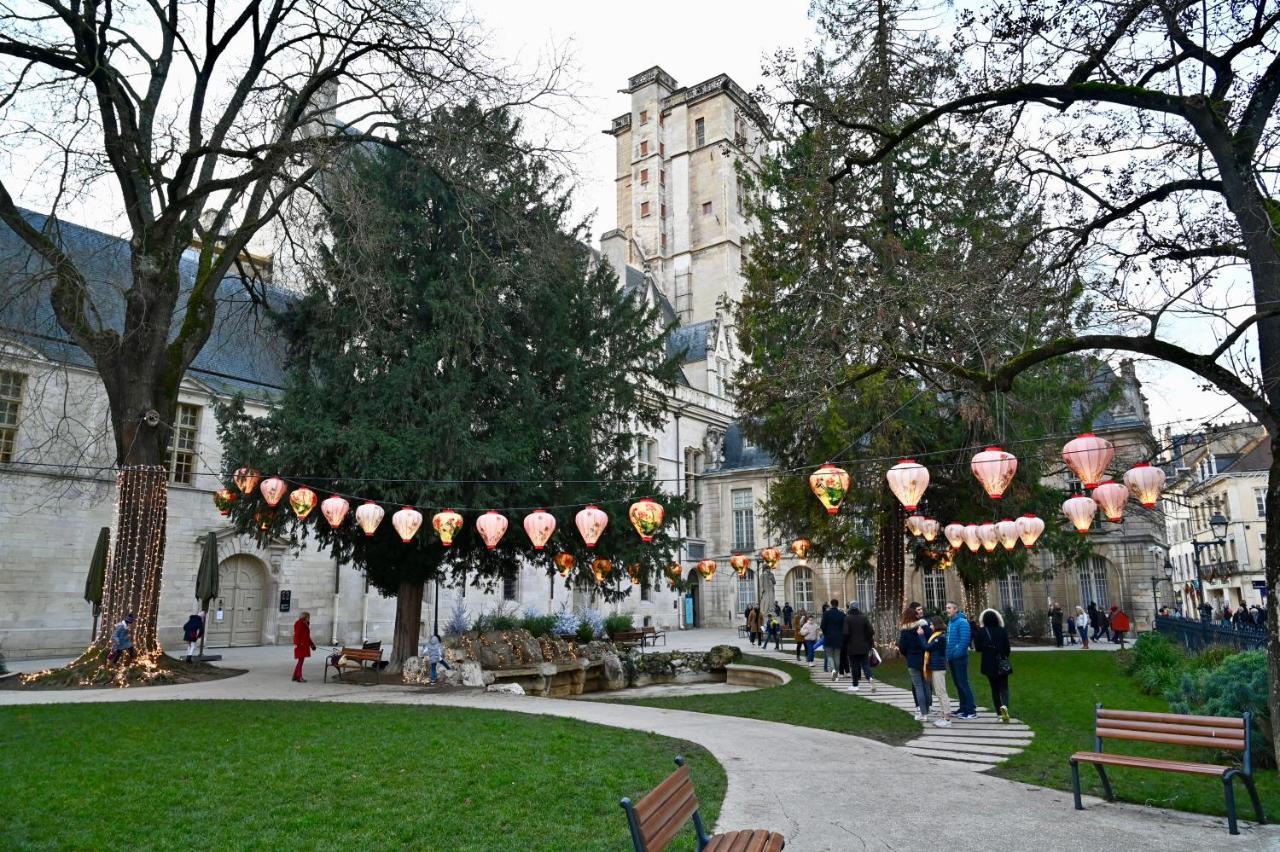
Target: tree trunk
{"points": [[132, 582], [408, 623], [1272, 560], [891, 559]]}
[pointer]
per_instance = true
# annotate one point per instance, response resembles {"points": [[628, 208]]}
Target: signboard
{"points": [[1259, 584], [285, 599]]}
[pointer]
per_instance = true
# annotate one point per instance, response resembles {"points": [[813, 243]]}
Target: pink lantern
{"points": [[407, 521], [995, 469], [1007, 530], [1029, 529], [446, 524], [646, 516], [908, 480], [1080, 511], [591, 522], [368, 516], [492, 526], [246, 479], [801, 547], [335, 510], [829, 484], [302, 501], [915, 525], [273, 490], [989, 536], [539, 525], [954, 534], [972, 538], [1146, 483], [1112, 496], [929, 529], [1088, 456]]}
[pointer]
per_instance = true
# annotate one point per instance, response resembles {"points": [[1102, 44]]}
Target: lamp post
{"points": [[1218, 526], [1155, 585]]}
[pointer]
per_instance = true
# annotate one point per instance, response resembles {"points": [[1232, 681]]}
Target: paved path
{"points": [[823, 790]]}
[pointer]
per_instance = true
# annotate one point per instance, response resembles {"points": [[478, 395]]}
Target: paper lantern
{"points": [[1029, 529], [302, 501], [1088, 456], [591, 523], [446, 524], [335, 510], [972, 540], [368, 516], [273, 490], [492, 526], [929, 529], [908, 480], [954, 534], [1146, 482], [1111, 497], [264, 519], [564, 563], [989, 536], [407, 521], [223, 499], [539, 525], [801, 547], [674, 572], [771, 557], [246, 479], [633, 571], [707, 568], [740, 562], [829, 484], [915, 525], [1007, 530], [1080, 511], [646, 516], [601, 568], [995, 469]]}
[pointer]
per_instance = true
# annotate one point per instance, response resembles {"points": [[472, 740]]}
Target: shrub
{"points": [[1037, 625], [1155, 663], [1011, 622], [501, 618], [1211, 657], [618, 623], [1236, 686], [585, 632], [538, 625], [457, 623], [595, 619], [566, 623]]}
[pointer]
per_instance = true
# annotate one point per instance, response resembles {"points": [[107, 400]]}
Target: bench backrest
{"points": [[658, 817], [1218, 732], [368, 654]]}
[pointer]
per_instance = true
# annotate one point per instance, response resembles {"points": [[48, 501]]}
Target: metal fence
{"points": [[1198, 635]]}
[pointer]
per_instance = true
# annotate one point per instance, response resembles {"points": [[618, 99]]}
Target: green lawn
{"points": [[1054, 692], [274, 775], [801, 702]]}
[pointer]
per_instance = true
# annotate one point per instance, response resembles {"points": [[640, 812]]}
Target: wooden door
{"points": [[240, 597]]}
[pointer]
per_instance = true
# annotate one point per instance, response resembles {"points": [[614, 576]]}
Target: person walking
{"points": [[859, 639], [911, 638], [809, 632], [753, 625], [1071, 629], [302, 644], [992, 642], [787, 613], [773, 629], [832, 638], [1055, 621], [1119, 625], [191, 633], [435, 656], [122, 641], [935, 668], [1082, 625], [1095, 620], [959, 634]]}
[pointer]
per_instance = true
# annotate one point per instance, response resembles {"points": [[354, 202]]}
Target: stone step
{"points": [[944, 744], [984, 761]]}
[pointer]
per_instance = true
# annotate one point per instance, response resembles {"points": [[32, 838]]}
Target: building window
{"points": [[183, 443], [747, 590], [740, 194], [1093, 582], [1011, 593], [935, 589], [742, 259], [664, 241], [508, 588], [662, 149], [644, 116], [700, 132], [744, 519], [646, 457], [662, 211], [722, 378], [1260, 501], [662, 177], [864, 591], [693, 489], [802, 589], [644, 177], [644, 149], [706, 208], [10, 404], [644, 209]]}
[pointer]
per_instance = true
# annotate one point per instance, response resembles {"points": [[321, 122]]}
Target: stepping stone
{"points": [[957, 757], [932, 744]]}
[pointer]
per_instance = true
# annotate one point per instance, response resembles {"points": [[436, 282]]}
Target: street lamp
{"points": [[1218, 526], [1155, 584]]}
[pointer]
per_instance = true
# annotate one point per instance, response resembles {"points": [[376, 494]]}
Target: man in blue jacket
{"points": [[959, 635]]}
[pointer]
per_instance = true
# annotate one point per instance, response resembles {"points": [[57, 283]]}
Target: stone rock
{"points": [[615, 677], [509, 688], [472, 674], [412, 668], [721, 655]]}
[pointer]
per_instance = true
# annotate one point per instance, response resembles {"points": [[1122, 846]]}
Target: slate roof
{"points": [[1120, 413], [243, 353], [737, 456], [691, 340]]}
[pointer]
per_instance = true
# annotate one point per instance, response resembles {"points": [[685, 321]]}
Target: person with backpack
{"points": [[859, 638], [992, 642], [832, 638], [911, 638], [959, 634], [191, 633], [935, 668]]}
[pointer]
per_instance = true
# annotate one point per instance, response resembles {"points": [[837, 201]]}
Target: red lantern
{"points": [[929, 529], [740, 562], [1007, 530], [335, 510], [601, 567], [915, 525], [829, 484], [633, 571], [223, 499], [1088, 456], [646, 516], [302, 501], [995, 469], [972, 539], [954, 534], [564, 563], [273, 490], [707, 568], [492, 526], [1112, 496], [368, 515], [908, 480], [407, 521], [989, 536], [1146, 483], [246, 479], [801, 547], [674, 572], [1080, 511], [1029, 529], [771, 556], [446, 524], [539, 526], [591, 523]]}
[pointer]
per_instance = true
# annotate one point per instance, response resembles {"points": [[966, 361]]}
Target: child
{"points": [[773, 634], [935, 668], [435, 655], [1071, 629]]}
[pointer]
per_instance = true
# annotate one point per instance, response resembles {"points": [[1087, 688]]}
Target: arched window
{"points": [[864, 591], [802, 588], [747, 590], [1093, 581]]}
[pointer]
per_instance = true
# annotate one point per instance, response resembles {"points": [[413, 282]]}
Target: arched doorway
{"points": [[240, 599]]}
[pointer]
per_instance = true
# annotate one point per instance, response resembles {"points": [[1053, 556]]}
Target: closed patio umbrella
{"points": [[97, 575], [207, 580]]}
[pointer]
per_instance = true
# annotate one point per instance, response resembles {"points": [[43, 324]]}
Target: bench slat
{"points": [[664, 825], [1132, 762], [1172, 718], [751, 840], [659, 795], [1172, 739], [1164, 728]]}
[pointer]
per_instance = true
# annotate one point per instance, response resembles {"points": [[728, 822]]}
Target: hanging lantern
{"points": [[1145, 482], [954, 534], [446, 524], [539, 525], [1112, 496], [492, 526], [915, 525], [1088, 456], [829, 484], [407, 521], [995, 469], [368, 515], [674, 572], [264, 519], [601, 568], [972, 540], [929, 529], [707, 568], [335, 510], [1029, 529], [989, 536], [273, 490], [771, 557], [801, 547], [646, 516], [633, 571], [740, 562], [246, 479], [908, 480], [564, 563], [1007, 530], [1080, 511], [223, 499], [591, 523], [302, 501]]}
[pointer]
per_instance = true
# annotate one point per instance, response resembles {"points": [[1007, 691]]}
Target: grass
{"points": [[800, 702], [242, 774], [1055, 691]]}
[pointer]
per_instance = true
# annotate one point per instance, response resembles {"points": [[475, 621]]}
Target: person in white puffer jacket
{"points": [[1082, 627], [809, 632]]}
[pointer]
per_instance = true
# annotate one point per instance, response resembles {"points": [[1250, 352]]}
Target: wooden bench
{"points": [[653, 634], [627, 638], [657, 818], [365, 659], [1213, 732]]}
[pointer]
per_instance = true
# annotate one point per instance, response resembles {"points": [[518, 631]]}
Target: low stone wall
{"points": [[762, 677]]}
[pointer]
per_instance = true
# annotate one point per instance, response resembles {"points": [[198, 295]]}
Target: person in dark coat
{"points": [[1095, 621], [992, 642], [302, 644], [911, 639], [191, 633], [787, 612], [832, 638], [858, 642], [1055, 621]]}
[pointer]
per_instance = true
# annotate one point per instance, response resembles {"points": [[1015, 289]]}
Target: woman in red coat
{"points": [[302, 644]]}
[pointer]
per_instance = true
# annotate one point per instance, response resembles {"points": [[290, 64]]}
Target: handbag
{"points": [[874, 658], [1004, 667]]}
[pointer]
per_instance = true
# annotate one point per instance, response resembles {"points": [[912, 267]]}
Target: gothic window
{"points": [[744, 519], [183, 444], [802, 589], [10, 403], [647, 458]]}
